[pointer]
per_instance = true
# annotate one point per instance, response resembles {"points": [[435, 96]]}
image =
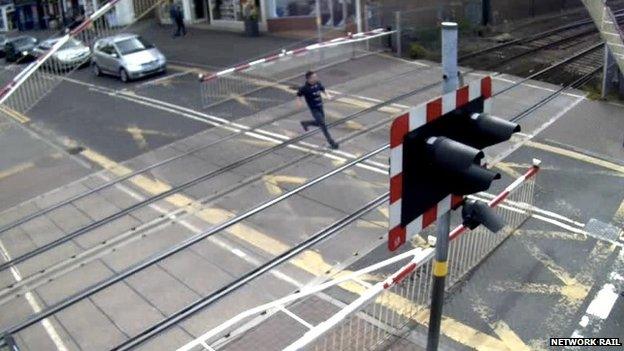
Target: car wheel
{"points": [[124, 75], [96, 70]]}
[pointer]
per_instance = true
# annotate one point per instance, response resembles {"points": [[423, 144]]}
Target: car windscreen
{"points": [[71, 43], [24, 41], [130, 45]]}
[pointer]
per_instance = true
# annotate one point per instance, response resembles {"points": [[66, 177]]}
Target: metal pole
{"points": [[606, 72], [397, 25], [443, 226], [319, 30], [358, 15]]}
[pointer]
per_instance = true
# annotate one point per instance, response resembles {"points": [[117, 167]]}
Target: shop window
{"points": [[288, 8]]}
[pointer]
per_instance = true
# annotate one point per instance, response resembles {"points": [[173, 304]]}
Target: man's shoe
{"points": [[304, 126], [334, 145]]}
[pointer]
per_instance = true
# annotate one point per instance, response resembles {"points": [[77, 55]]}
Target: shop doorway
{"points": [[200, 10]]}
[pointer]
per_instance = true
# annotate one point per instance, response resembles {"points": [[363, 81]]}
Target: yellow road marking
{"points": [[576, 155], [506, 168], [16, 169], [309, 260], [272, 182], [21, 118], [509, 337], [527, 288], [366, 104], [618, 217], [187, 69], [139, 134], [549, 263]]}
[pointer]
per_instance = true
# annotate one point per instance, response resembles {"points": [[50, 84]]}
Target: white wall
{"points": [[124, 12]]}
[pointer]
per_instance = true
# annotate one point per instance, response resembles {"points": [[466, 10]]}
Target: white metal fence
{"points": [[360, 311], [272, 71], [38, 78]]}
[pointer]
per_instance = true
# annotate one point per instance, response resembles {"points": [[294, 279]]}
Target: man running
{"points": [[311, 91]]}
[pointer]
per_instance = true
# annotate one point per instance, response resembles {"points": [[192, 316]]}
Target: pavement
{"points": [[538, 284]]}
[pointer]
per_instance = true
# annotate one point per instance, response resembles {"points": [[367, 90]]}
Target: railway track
{"points": [[156, 224], [540, 50]]}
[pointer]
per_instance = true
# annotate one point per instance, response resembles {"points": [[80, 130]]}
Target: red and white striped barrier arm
{"points": [[11, 86], [329, 43]]}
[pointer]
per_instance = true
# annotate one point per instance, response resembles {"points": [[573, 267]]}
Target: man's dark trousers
{"points": [[180, 24], [319, 121]]}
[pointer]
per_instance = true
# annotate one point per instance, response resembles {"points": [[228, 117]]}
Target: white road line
{"points": [[34, 304], [529, 85], [601, 305], [538, 130]]}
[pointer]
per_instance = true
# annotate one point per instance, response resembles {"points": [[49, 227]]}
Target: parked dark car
{"points": [[20, 48]]}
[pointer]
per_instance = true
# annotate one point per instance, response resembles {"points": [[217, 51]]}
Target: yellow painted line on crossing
{"points": [[509, 337], [187, 69], [16, 169], [138, 135], [549, 263], [367, 104], [576, 155], [506, 168], [21, 118], [525, 288], [309, 260], [273, 182], [618, 217]]}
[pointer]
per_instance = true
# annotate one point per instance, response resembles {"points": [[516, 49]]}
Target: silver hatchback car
{"points": [[127, 56]]}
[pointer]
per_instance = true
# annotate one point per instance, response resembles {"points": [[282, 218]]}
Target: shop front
{"points": [[272, 15], [28, 14], [218, 14]]}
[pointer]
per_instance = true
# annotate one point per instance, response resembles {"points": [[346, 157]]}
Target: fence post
{"points": [[358, 15], [397, 25], [319, 30]]}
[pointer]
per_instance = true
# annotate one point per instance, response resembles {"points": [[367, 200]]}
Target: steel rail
{"points": [[179, 247], [533, 37], [551, 67]]}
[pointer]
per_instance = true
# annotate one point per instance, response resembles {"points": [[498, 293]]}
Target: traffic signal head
{"points": [[436, 157], [481, 130], [441, 166], [443, 157], [475, 213]]}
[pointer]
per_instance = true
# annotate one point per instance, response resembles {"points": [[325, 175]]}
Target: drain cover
{"points": [[602, 230]]}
